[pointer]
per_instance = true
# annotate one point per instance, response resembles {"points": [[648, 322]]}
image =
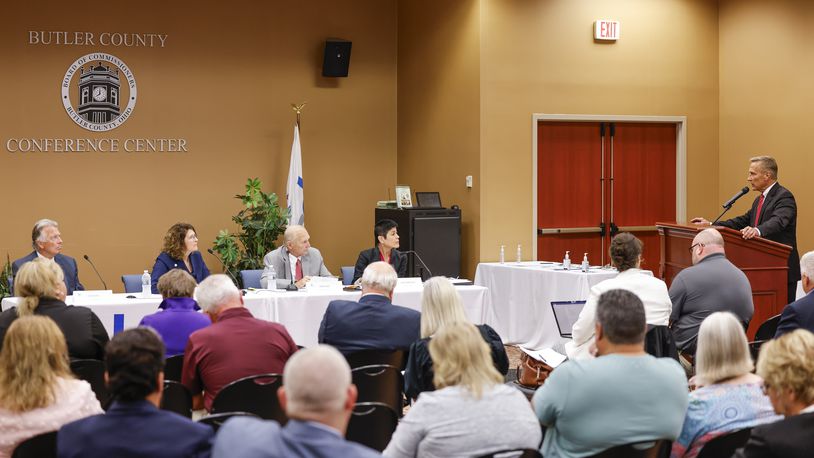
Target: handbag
{"points": [[532, 373]]}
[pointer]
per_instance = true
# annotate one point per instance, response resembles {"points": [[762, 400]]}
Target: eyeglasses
{"points": [[697, 244]]}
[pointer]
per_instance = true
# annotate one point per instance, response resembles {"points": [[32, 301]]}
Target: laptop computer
{"points": [[428, 199], [566, 314]]}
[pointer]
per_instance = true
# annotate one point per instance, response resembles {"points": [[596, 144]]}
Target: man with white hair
{"points": [[47, 243], [237, 345], [296, 259], [712, 284], [800, 313], [373, 323], [318, 414]]}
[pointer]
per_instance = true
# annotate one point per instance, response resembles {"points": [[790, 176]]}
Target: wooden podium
{"points": [[764, 262]]}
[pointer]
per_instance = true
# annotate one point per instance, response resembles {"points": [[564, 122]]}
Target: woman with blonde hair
{"points": [[472, 413], [41, 288], [787, 367], [38, 394], [441, 305], [729, 397]]}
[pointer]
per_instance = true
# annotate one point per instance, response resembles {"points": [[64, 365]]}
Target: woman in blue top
{"points": [[180, 252]]}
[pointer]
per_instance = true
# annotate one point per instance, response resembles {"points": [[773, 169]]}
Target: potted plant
{"points": [[5, 275], [260, 222]]}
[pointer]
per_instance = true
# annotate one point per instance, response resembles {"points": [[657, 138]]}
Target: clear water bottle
{"points": [[272, 277], [502, 254], [519, 253], [566, 261], [146, 287]]}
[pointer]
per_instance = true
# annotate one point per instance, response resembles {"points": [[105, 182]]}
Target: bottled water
{"points": [[146, 287]]}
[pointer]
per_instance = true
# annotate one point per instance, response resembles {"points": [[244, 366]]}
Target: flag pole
{"points": [[298, 109]]}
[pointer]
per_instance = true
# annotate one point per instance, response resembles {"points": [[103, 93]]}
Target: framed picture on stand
{"points": [[404, 198]]}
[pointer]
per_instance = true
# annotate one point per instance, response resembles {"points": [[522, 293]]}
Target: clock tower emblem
{"points": [[99, 92]]}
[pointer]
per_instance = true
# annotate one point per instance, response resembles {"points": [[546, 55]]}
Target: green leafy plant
{"points": [[5, 274], [261, 223]]}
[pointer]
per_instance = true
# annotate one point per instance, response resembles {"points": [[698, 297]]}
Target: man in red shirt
{"points": [[237, 345]]}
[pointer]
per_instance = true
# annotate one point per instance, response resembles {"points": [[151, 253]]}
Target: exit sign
{"points": [[606, 30]]}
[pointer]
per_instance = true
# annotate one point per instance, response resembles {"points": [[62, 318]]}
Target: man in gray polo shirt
{"points": [[712, 284]]}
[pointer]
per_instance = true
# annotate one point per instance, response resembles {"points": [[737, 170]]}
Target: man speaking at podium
{"points": [[773, 215]]}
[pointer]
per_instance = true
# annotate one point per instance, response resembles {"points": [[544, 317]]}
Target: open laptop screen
{"points": [[566, 313]]}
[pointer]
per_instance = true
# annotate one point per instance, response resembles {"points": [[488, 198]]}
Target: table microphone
{"points": [[94, 269], [225, 269], [291, 286], [419, 260]]}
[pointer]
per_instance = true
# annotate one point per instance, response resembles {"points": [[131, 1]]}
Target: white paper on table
{"points": [[409, 281], [323, 283], [546, 355]]}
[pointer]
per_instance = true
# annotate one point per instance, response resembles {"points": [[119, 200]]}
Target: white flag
{"points": [[293, 190]]}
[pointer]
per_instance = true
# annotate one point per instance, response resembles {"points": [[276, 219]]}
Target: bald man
{"points": [[712, 284], [296, 259]]}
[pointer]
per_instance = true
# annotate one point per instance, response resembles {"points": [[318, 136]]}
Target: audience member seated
{"points": [[296, 259], [178, 316], [623, 396], [373, 323], [787, 367], [38, 393], [236, 345], [41, 288], [472, 413], [729, 397], [800, 313], [318, 397], [441, 305], [180, 252], [386, 236], [47, 243], [711, 284], [134, 426], [626, 255]]}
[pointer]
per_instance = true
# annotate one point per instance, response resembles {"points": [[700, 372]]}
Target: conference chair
{"points": [[767, 329], [173, 367], [251, 278], [132, 283], [217, 420], [726, 444], [518, 453], [256, 394], [380, 383], [655, 450], [10, 285], [93, 372], [347, 274], [660, 343], [176, 398], [40, 446], [361, 358], [372, 424]]}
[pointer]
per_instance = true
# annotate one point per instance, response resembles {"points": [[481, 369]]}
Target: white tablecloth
{"points": [[300, 312], [520, 294]]}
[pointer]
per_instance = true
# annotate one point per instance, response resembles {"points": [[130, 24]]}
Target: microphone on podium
{"points": [[726, 206], [94, 269]]}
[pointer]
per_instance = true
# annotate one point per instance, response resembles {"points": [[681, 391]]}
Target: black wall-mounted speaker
{"points": [[336, 61]]}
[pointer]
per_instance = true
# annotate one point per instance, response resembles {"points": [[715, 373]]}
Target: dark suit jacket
{"points": [[366, 257], [164, 263], [84, 332], [134, 429], [798, 314], [778, 223], [788, 438], [67, 263], [373, 323]]}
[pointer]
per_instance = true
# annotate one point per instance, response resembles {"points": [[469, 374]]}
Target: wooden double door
{"points": [[596, 179]]}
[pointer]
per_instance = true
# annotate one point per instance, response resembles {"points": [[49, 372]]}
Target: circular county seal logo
{"points": [[94, 90]]}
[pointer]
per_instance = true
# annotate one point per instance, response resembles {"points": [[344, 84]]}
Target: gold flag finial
{"points": [[298, 109]]}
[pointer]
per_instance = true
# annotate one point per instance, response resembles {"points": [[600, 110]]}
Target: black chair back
{"points": [[650, 450], [519, 453], [660, 343], [397, 358], [726, 444], [41, 446], [380, 383], [372, 424], [217, 420], [176, 398], [256, 394], [767, 329], [93, 372], [173, 367]]}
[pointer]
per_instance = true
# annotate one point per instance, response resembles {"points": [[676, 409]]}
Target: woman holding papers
{"points": [[386, 236], [180, 252]]}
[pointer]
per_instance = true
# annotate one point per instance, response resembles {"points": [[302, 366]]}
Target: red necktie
{"points": [[759, 208], [298, 275]]}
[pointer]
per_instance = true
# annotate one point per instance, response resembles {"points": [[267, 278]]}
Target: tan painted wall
{"points": [[439, 109], [540, 57], [224, 82], [767, 99]]}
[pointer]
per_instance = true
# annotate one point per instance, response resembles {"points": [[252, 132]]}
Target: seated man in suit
{"points": [[236, 345], [296, 259], [373, 323], [620, 397], [318, 414], [800, 313], [47, 242], [134, 426]]}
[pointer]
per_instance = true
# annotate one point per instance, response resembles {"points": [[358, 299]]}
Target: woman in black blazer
{"points": [[387, 240]]}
